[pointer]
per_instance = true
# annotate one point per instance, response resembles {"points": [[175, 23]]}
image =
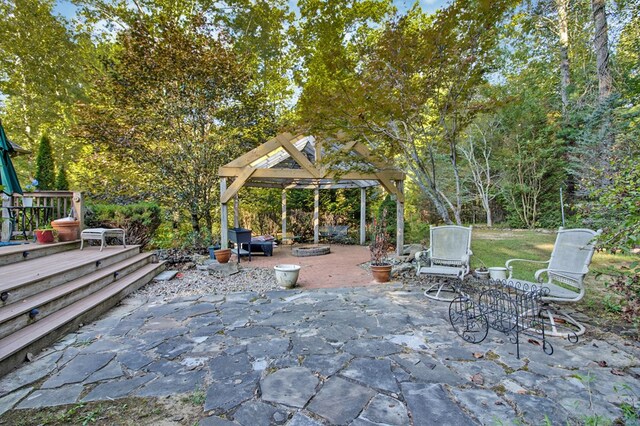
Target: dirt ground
{"points": [[340, 268]]}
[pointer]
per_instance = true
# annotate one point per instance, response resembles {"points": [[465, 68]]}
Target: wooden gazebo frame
{"points": [[290, 162]]}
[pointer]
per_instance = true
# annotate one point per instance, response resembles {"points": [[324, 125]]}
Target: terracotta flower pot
{"points": [[381, 273], [44, 236], [222, 255], [67, 229]]}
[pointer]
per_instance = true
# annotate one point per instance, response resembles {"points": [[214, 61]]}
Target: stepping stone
{"points": [[385, 410], [78, 369], [485, 405], [340, 401], [429, 404], [229, 366], [111, 371], [290, 386], [29, 373], [255, 413], [223, 269], [326, 365], [223, 396], [115, 390], [133, 360], [375, 373], [7, 402], [271, 348], [171, 385], [371, 348], [537, 410], [216, 421], [165, 275], [302, 420], [52, 397]]}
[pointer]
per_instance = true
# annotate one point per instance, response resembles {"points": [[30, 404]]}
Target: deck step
{"points": [[25, 252], [21, 280], [17, 315], [34, 337]]}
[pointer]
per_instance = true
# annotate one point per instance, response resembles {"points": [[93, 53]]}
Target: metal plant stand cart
{"points": [[511, 307]]}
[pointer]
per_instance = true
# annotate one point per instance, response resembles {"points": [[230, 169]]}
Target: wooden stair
{"points": [[51, 292]]}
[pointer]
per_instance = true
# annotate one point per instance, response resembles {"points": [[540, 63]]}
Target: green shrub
{"points": [[139, 220], [45, 169], [389, 206], [62, 184]]}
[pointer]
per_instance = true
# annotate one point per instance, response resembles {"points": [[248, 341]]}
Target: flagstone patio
{"points": [[362, 356]]}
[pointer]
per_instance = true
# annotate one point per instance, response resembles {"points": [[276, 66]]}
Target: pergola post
{"points": [[284, 214], [316, 216], [400, 219], [224, 217], [236, 211], [363, 216]]}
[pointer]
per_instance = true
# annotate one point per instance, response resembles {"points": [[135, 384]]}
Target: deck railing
{"points": [[62, 203]]}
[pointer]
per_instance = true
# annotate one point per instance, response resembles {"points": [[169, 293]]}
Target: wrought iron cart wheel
{"points": [[467, 320]]}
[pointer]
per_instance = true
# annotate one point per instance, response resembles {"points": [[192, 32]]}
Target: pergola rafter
{"points": [[292, 162]]}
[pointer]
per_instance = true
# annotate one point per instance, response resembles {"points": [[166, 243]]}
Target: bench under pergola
{"points": [[292, 162]]}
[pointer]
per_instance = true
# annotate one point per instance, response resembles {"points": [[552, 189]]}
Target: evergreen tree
{"points": [[45, 169], [62, 184]]}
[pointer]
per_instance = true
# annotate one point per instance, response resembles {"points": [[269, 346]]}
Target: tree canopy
{"points": [[492, 107]]}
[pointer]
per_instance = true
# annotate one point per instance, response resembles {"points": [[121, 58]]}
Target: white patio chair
{"points": [[447, 257], [567, 267]]}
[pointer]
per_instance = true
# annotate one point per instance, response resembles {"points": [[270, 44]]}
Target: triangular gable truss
{"points": [[257, 168]]}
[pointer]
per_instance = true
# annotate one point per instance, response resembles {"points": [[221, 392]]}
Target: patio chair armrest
{"points": [[510, 268], [571, 275], [422, 258]]}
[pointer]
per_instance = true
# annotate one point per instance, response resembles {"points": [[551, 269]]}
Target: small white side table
{"points": [[101, 234]]}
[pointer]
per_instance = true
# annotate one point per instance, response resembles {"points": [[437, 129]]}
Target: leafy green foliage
{"points": [[617, 207], [178, 106], [140, 220], [62, 184], [42, 76], [45, 168]]}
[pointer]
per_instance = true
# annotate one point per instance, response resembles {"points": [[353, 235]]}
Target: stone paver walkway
{"points": [[358, 356]]}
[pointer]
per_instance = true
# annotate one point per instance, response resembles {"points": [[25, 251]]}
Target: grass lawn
{"points": [[494, 247]]}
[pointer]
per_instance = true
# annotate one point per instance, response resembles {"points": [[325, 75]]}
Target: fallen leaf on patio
{"points": [[478, 355], [617, 372], [602, 363], [534, 342], [477, 379]]}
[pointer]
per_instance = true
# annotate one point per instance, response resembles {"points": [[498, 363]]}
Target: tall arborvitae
{"points": [[45, 169], [62, 184]]}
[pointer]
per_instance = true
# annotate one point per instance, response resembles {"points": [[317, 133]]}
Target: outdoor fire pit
{"points": [[305, 251]]}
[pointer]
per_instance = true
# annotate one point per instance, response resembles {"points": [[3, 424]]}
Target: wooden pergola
{"points": [[291, 162]]}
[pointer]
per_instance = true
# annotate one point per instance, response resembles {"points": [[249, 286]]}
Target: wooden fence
{"points": [[61, 204]]}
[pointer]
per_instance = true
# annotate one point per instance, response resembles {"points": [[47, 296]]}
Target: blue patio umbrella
{"points": [[8, 176]]}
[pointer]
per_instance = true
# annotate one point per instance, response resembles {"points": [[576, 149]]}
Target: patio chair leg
{"points": [[442, 286], [561, 324]]}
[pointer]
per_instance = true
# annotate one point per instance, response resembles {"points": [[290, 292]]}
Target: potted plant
{"points": [[482, 272], [379, 247], [30, 187], [44, 235], [287, 275], [222, 255]]}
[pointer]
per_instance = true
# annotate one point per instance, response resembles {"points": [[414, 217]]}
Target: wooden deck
{"points": [[48, 290], [18, 274]]}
